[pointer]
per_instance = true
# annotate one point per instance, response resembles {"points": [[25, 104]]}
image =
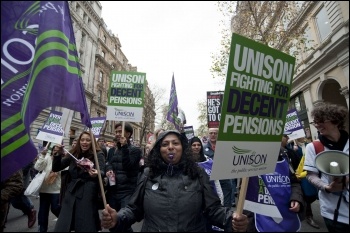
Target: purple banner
{"points": [[39, 69], [173, 110]]}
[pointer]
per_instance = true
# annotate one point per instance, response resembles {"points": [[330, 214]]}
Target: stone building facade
{"points": [[99, 52], [323, 73]]}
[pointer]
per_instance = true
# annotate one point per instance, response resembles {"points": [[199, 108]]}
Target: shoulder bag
{"points": [[35, 184]]}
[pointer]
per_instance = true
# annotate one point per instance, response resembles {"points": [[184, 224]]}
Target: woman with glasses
{"points": [[329, 120]]}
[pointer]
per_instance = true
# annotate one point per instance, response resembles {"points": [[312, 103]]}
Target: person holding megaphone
{"points": [[322, 167]]}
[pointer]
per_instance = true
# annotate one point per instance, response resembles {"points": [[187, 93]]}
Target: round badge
{"points": [[155, 186]]}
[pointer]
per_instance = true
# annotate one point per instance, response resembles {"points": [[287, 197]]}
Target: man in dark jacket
{"points": [[209, 150], [124, 165], [101, 141]]}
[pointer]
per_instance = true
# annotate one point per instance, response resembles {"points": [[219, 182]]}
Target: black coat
{"points": [[79, 210], [175, 203], [125, 164]]}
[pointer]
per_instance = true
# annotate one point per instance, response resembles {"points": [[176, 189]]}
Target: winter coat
{"points": [[79, 210], [44, 163], [174, 203], [125, 165]]}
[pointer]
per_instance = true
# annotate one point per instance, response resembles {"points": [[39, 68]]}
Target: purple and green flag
{"points": [[39, 69], [173, 111]]}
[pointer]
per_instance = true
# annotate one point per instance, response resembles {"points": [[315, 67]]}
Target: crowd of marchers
{"points": [[166, 183]]}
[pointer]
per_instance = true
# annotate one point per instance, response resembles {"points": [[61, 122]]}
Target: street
{"points": [[17, 222]]}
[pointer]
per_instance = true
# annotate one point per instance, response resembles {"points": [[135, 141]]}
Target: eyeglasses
{"points": [[319, 122]]}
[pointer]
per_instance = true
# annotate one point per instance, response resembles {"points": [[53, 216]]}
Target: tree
{"points": [[153, 98], [274, 23], [202, 118], [158, 94]]}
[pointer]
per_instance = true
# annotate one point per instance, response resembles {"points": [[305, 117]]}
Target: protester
{"points": [[74, 143], [79, 211], [206, 163], [22, 202], [10, 188], [209, 149], [101, 141], [284, 188], [111, 151], [173, 195], [329, 120], [49, 191], [124, 165], [299, 146], [234, 192]]}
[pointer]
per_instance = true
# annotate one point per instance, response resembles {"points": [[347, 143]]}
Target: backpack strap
{"points": [[319, 147]]}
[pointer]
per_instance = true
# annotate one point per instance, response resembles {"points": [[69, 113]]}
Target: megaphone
{"points": [[333, 163]]}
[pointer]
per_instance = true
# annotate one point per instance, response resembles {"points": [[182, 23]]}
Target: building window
{"points": [[83, 39], [100, 77], [99, 96], [103, 54], [85, 17], [323, 24], [81, 56], [115, 51], [104, 38], [98, 114], [298, 102]]}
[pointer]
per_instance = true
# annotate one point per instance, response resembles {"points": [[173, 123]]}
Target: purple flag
{"points": [[39, 69], [172, 109]]}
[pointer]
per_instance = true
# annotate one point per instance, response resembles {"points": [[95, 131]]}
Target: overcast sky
{"points": [[162, 38]]}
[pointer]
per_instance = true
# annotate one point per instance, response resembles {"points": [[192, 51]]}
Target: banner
{"points": [[189, 132], [39, 69], [214, 102], [172, 115], [97, 125], [126, 96], [259, 200], [253, 113], [293, 125], [52, 130]]}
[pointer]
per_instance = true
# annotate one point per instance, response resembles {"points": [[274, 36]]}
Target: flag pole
{"points": [[98, 169], [242, 194], [123, 126]]}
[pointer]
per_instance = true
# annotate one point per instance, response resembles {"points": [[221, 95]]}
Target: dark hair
{"points": [[187, 164], [332, 112], [201, 152], [127, 127], [78, 153], [101, 139]]}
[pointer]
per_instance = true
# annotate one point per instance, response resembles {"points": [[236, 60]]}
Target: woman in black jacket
{"points": [[80, 206], [173, 195]]}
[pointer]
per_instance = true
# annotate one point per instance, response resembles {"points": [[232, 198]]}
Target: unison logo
{"points": [[247, 157], [120, 112]]}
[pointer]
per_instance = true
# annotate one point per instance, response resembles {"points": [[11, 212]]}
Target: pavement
{"points": [[17, 222]]}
